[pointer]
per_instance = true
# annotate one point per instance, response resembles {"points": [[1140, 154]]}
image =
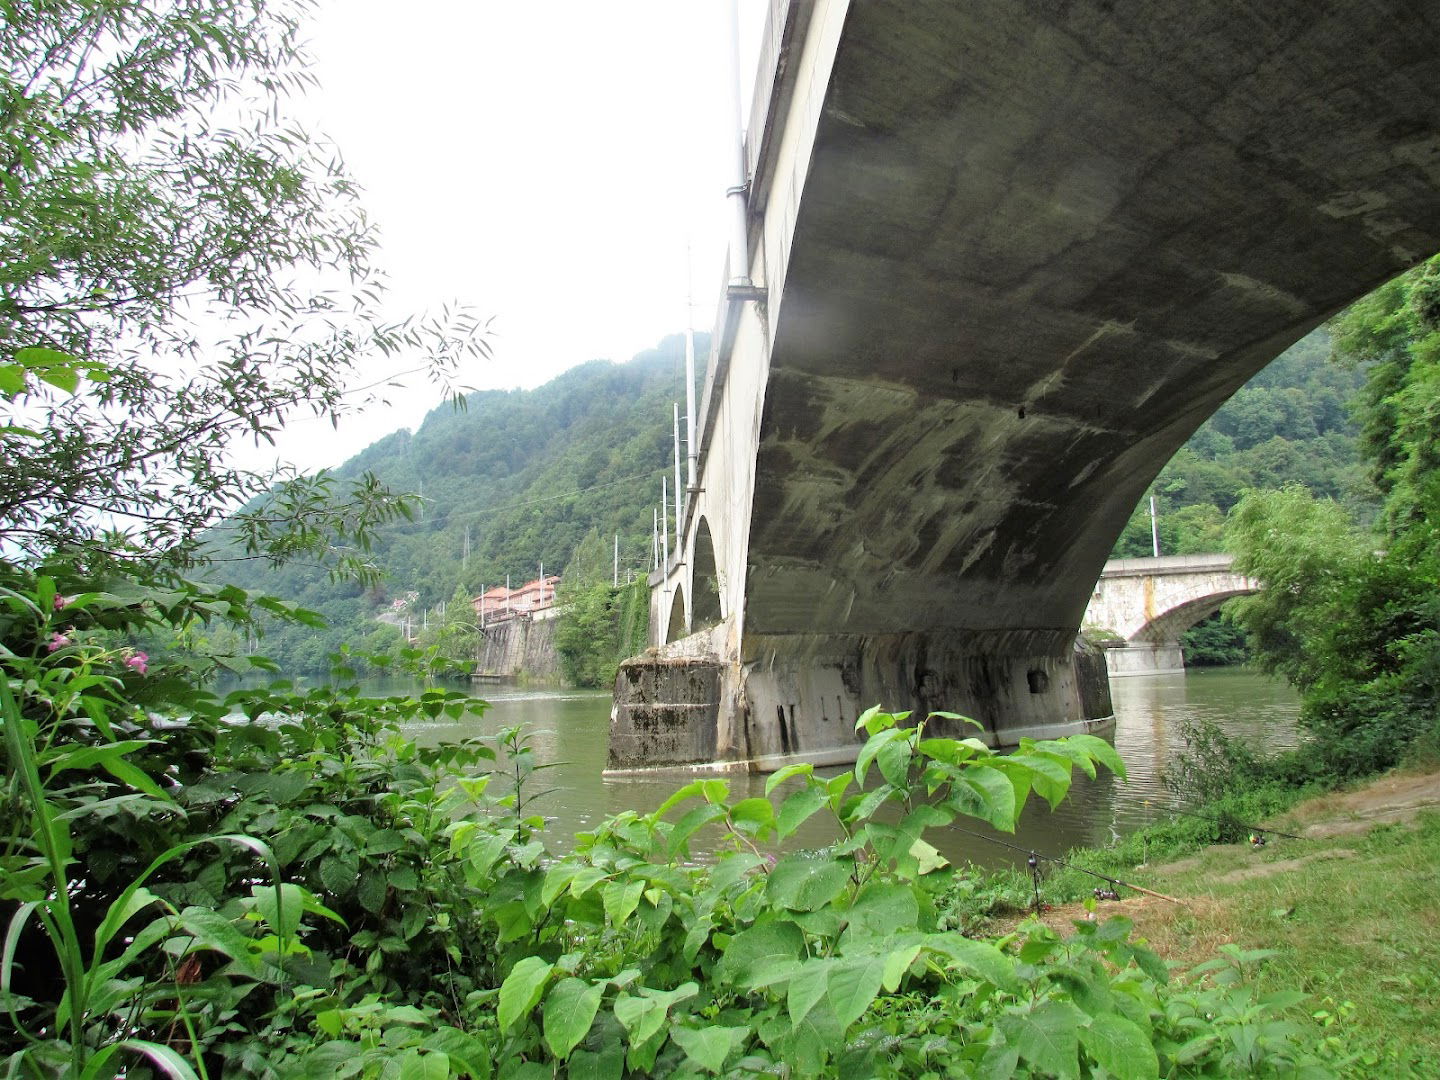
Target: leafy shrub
{"points": [[291, 887]]}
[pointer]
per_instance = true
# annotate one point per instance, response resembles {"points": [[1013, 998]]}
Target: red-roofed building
{"points": [[499, 604]]}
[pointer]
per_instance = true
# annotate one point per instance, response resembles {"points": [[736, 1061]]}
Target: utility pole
{"points": [[465, 556], [1154, 529], [676, 407], [665, 524], [615, 573], [654, 538], [739, 241], [692, 454]]}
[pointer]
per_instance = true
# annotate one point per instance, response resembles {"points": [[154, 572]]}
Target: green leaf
{"points": [[641, 1016], [709, 1047], [570, 1009], [608, 1064], [881, 909], [779, 776], [894, 761], [1047, 1037], [987, 794], [63, 378], [1101, 751], [557, 880], [853, 984], [797, 808], [803, 882], [521, 990], [873, 746], [12, 379], [927, 857], [280, 907], [752, 813], [621, 898], [40, 356], [807, 988], [897, 963], [1121, 1046], [979, 957], [751, 951], [689, 791], [339, 875]]}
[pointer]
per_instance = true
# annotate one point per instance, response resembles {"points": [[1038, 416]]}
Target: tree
{"points": [[195, 267], [1350, 614], [457, 633]]}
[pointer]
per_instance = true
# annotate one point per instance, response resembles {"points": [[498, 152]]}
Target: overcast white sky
{"points": [[544, 163]]}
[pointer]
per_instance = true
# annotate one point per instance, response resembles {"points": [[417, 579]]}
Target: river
{"points": [[568, 730]]}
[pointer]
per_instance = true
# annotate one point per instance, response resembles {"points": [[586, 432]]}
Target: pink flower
{"points": [[136, 662], [57, 641], [60, 602]]}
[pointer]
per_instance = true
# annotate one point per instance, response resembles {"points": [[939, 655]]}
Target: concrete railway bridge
{"points": [[995, 263]]}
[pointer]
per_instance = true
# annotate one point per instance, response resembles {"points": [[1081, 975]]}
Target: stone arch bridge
{"points": [[1149, 603], [996, 263]]}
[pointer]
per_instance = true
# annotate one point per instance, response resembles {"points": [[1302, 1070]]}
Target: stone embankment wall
{"points": [[521, 648]]}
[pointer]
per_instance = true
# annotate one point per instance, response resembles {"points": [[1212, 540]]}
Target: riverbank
{"points": [[1350, 908]]}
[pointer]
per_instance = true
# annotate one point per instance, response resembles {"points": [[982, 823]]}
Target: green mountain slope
{"points": [[519, 477]]}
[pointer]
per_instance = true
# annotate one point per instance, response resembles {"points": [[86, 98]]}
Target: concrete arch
{"points": [[707, 608], [1170, 624], [675, 629]]}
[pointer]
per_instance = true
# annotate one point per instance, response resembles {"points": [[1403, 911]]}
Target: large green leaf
{"points": [[751, 951], [521, 990], [621, 898], [570, 1009], [1101, 751], [781, 775], [805, 883], [641, 1015], [1121, 1046], [709, 1047], [881, 908], [1047, 1037], [987, 794], [797, 809], [807, 987], [279, 907], [979, 957], [852, 986], [873, 746]]}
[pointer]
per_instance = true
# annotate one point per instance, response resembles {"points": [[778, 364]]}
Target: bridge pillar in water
{"points": [[797, 697], [1145, 658]]}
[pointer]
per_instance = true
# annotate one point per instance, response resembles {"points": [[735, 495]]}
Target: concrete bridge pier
{"points": [[796, 697], [1145, 658]]}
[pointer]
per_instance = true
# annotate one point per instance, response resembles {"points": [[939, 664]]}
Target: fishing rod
{"points": [[1218, 821], [1033, 854]]}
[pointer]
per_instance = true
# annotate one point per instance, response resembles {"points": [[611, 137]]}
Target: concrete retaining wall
{"points": [[520, 648]]}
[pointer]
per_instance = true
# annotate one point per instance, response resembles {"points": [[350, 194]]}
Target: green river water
{"points": [[569, 729]]}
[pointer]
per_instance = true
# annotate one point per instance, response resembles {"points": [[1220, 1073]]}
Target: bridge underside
{"points": [[1038, 245], [1037, 248]]}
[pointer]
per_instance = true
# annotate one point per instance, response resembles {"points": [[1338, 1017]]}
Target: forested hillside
{"points": [[1290, 424], [520, 477], [516, 479]]}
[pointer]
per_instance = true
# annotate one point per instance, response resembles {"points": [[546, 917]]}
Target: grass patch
{"points": [[1359, 934]]}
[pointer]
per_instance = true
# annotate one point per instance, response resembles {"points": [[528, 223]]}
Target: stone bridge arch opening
{"points": [[704, 581], [1171, 625], [675, 628]]}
